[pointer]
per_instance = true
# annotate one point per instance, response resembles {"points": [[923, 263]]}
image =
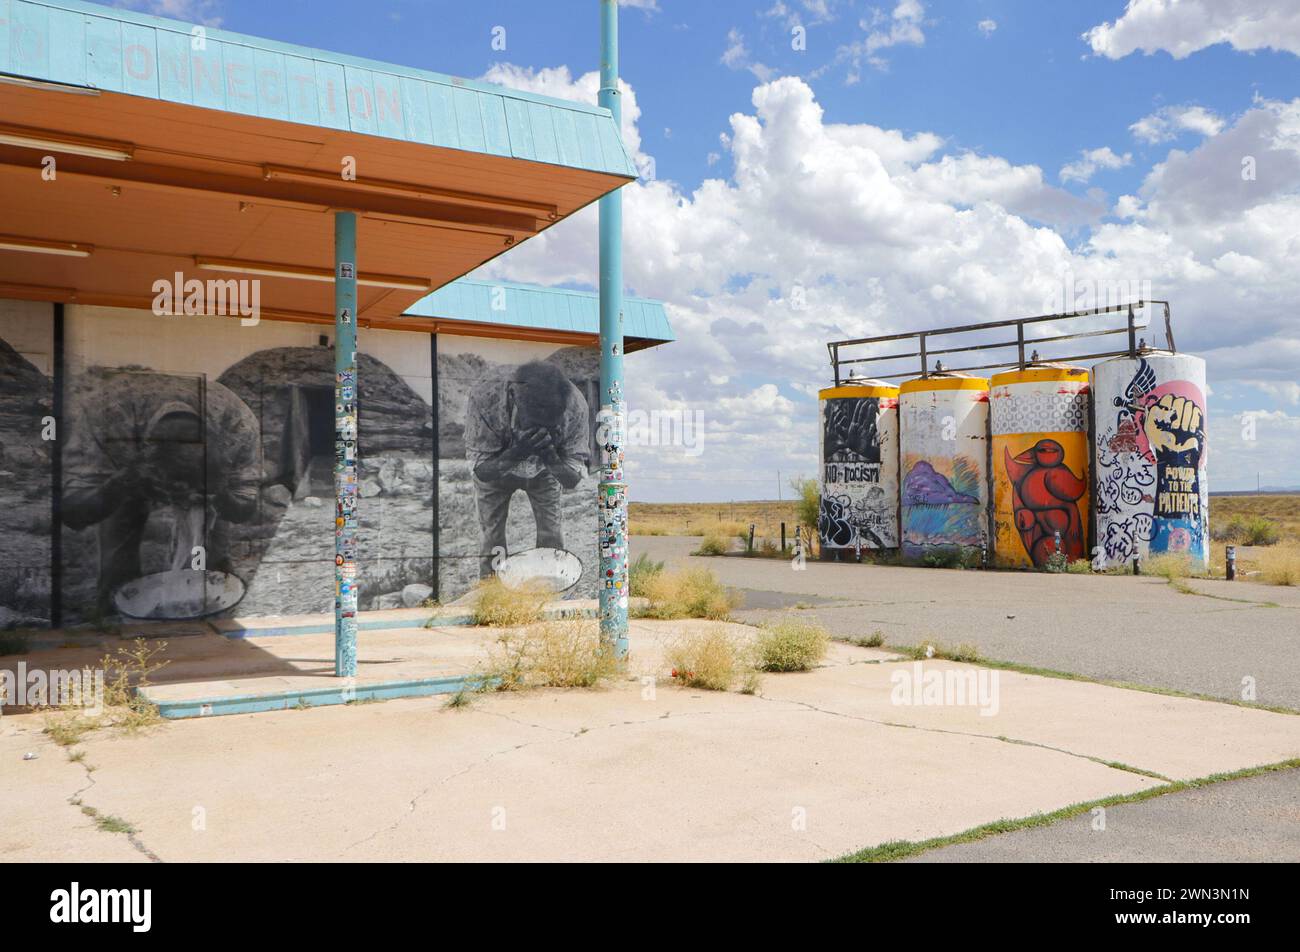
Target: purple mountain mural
{"points": [[925, 487]]}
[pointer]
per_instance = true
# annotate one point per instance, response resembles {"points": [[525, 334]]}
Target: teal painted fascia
{"points": [[76, 43], [539, 308]]}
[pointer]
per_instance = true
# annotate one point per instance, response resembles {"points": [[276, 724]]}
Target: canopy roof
{"points": [[526, 311], [219, 155]]}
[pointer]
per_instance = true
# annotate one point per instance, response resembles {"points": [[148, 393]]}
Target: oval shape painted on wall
{"points": [[554, 569], [178, 594]]}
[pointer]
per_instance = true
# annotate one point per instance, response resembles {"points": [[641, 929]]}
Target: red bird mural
{"points": [[1044, 497]]}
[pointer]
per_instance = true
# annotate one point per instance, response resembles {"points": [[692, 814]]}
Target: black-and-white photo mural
{"points": [[517, 423], [197, 467], [26, 444], [198, 470]]}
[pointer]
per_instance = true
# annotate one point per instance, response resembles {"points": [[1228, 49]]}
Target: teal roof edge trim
{"points": [[77, 43], [527, 305]]}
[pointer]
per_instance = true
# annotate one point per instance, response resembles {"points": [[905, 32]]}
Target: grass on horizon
{"points": [[713, 518]]}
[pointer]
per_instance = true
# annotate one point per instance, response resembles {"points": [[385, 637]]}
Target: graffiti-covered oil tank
{"points": [[859, 467], [1038, 418], [1152, 497], [944, 464]]}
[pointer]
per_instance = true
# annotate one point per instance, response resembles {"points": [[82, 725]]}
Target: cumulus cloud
{"points": [[987, 26], [805, 13], [821, 231], [205, 12], [1183, 28], [1249, 171], [1171, 121], [964, 180], [737, 56], [1090, 160], [903, 27]]}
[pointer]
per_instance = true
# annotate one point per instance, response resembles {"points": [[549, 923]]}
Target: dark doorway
{"points": [[308, 445]]}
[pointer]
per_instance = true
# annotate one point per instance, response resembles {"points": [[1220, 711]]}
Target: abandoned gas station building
{"points": [[178, 465]]}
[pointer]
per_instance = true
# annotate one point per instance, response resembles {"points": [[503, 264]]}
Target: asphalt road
{"points": [[1234, 637], [1252, 820]]}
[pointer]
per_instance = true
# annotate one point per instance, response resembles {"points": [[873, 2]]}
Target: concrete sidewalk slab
{"points": [[554, 775], [39, 824], [816, 767], [1178, 738]]}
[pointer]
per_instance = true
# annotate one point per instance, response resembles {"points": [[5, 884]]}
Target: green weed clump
{"points": [[497, 606], [711, 658], [1249, 530], [790, 645], [1168, 566], [639, 573], [567, 653], [689, 593], [713, 544]]}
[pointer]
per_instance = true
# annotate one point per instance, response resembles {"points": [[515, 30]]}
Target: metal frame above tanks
{"points": [[1024, 345]]}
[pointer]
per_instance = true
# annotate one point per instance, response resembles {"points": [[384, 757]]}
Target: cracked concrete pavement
{"points": [[817, 765]]}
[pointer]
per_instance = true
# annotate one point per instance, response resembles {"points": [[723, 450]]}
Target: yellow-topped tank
{"points": [[1038, 418], [859, 466], [944, 465]]}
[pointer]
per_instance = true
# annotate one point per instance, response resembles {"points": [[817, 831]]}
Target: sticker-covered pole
{"points": [[612, 518], [345, 444]]}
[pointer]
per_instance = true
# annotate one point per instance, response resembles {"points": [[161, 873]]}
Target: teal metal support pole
{"points": [[613, 414], [345, 444]]}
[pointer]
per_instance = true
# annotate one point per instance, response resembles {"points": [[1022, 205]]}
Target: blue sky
{"points": [[919, 163]]}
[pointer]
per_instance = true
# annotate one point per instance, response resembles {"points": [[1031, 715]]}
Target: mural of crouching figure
{"points": [[526, 430], [141, 445]]}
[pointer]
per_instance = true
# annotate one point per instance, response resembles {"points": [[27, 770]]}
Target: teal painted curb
{"points": [[435, 621], [314, 697]]}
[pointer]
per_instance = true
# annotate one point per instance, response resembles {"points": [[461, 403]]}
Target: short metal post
{"points": [[1231, 553], [783, 537]]}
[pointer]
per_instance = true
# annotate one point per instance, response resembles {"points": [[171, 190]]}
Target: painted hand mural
{"points": [[1151, 491]]}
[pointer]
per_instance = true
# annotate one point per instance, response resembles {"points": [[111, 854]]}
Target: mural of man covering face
{"points": [[142, 443], [526, 429]]}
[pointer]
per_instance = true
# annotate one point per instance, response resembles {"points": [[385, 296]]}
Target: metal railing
{"points": [[1023, 343]]}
